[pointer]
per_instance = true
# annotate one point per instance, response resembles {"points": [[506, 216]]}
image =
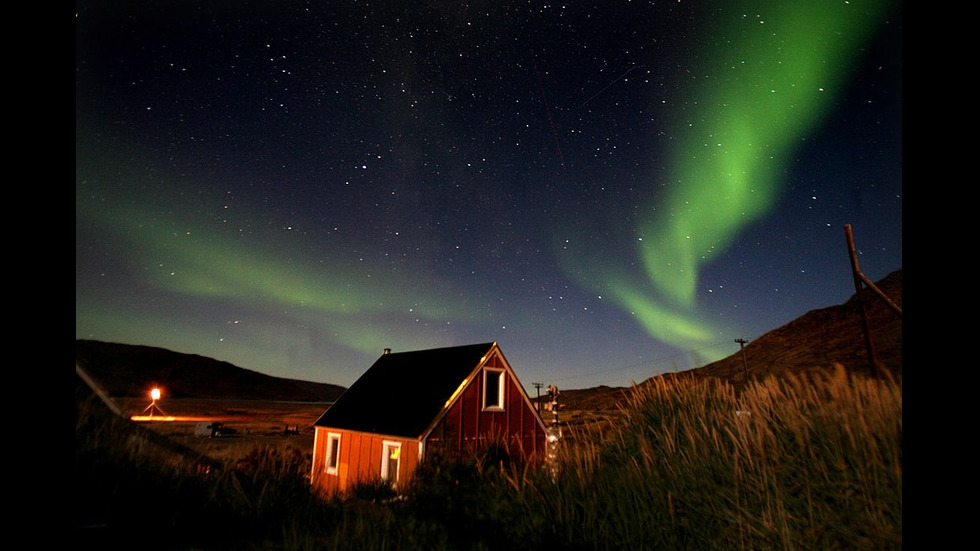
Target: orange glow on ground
{"points": [[185, 418], [172, 418]]}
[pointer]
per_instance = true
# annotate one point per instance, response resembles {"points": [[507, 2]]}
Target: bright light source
{"points": [[155, 395]]}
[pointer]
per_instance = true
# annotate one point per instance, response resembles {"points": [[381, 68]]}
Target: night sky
{"points": [[610, 190]]}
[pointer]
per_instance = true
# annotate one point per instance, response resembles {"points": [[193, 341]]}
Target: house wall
{"points": [[467, 427], [359, 460]]}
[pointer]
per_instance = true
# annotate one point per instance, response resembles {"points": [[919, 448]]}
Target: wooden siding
{"points": [[359, 459], [467, 426]]}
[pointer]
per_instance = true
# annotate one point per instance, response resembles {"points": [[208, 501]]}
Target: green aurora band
{"points": [[184, 263], [769, 76]]}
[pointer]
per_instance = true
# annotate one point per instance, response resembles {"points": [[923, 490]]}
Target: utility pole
{"points": [[537, 404], [745, 365]]}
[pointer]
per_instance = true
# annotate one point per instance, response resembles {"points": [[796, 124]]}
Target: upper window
{"points": [[493, 388], [333, 453]]}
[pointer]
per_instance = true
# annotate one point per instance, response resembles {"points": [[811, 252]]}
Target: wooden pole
{"points": [[891, 304], [859, 291]]}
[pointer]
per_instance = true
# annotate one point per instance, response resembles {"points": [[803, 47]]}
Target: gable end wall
{"points": [[466, 427]]}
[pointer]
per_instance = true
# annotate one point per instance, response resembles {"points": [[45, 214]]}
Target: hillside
{"points": [[124, 370], [818, 339], [822, 338]]}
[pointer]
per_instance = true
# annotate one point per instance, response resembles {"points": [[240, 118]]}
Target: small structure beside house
{"points": [[410, 406]]}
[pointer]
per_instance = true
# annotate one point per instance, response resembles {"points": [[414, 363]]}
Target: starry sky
{"points": [[609, 190]]}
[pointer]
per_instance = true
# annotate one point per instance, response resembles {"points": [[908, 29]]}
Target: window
{"points": [[333, 452], [493, 389], [390, 455]]}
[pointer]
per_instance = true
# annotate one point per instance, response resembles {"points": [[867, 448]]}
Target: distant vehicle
{"points": [[212, 430]]}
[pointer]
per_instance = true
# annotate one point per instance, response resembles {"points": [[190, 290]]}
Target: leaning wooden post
{"points": [[98, 391], [859, 291]]}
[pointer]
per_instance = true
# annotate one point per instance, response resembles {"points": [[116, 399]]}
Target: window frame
{"points": [[501, 375], [386, 447], [332, 453]]}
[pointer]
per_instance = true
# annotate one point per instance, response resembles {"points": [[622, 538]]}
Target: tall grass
{"points": [[136, 489], [791, 463], [799, 462]]}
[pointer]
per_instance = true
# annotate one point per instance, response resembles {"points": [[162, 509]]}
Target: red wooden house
{"points": [[412, 405]]}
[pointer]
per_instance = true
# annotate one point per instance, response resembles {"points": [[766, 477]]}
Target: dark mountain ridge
{"points": [[124, 370]]}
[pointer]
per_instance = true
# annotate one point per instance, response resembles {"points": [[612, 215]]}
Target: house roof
{"points": [[404, 391]]}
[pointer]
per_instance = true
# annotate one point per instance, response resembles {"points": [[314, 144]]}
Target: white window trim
{"points": [[333, 441], [501, 375], [386, 446]]}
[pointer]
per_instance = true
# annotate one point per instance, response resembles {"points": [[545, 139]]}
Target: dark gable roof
{"points": [[403, 392]]}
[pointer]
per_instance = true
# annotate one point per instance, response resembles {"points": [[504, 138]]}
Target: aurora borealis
{"points": [[608, 192], [771, 73]]}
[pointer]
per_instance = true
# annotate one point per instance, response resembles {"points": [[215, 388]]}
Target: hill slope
{"points": [[818, 339], [124, 370], [824, 337]]}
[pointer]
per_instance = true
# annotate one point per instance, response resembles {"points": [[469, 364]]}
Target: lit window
{"points": [[493, 389], [390, 456], [333, 452]]}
